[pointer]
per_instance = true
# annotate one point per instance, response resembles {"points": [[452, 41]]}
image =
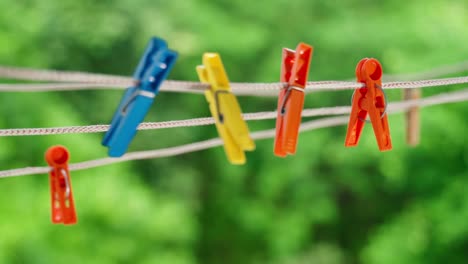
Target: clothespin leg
{"points": [[56, 213], [117, 116], [293, 122], [66, 203], [356, 122], [279, 150], [236, 127], [119, 145], [380, 125], [233, 151]]}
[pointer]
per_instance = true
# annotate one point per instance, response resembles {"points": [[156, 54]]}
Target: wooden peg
{"points": [[412, 117]]}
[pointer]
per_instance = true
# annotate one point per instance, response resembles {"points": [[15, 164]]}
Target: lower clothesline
{"points": [[451, 97], [455, 96]]}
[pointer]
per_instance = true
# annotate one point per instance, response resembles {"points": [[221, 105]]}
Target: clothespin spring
{"points": [[218, 106], [385, 103], [134, 95], [286, 96]]}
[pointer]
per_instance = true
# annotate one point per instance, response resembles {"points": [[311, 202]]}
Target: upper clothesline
{"points": [[68, 81]]}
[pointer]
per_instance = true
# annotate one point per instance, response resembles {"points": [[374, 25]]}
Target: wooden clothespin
{"points": [[225, 109], [62, 203], [370, 99], [152, 70], [294, 71], [412, 117]]}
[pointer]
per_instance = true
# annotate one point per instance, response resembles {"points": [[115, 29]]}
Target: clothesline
{"points": [[85, 77], [457, 96], [451, 97], [255, 89], [68, 81]]}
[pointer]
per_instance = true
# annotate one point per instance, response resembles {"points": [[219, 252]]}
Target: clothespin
{"points": [[225, 109], [62, 204], [370, 99], [294, 71], [152, 70], [412, 117]]}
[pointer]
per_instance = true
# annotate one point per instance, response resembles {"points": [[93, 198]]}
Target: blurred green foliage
{"points": [[326, 205]]}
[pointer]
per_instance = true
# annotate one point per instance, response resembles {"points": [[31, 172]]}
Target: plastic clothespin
{"points": [[152, 70], [370, 99], [225, 109], [62, 203], [294, 71], [412, 117]]}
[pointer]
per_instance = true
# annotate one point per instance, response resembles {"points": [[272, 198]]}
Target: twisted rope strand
{"points": [[85, 81], [456, 96]]}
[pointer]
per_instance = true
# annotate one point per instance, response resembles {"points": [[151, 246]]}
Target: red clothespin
{"points": [[370, 99], [63, 206], [294, 71]]}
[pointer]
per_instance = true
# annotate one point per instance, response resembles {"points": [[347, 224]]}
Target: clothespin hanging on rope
{"points": [[412, 117], [152, 70], [225, 109], [370, 99], [62, 203], [294, 71]]}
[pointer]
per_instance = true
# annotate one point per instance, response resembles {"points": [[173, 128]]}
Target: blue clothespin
{"points": [[154, 66]]}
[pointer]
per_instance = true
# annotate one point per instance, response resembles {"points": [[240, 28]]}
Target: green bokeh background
{"points": [[326, 205]]}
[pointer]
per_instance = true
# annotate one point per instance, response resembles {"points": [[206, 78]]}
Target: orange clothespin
{"points": [[63, 206], [371, 100], [294, 71]]}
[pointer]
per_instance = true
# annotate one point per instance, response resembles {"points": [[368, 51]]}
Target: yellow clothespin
{"points": [[225, 109]]}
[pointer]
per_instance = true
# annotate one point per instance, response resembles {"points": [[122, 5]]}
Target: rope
{"points": [[255, 89], [202, 145], [203, 121], [430, 74], [85, 81], [63, 76], [84, 77], [456, 96]]}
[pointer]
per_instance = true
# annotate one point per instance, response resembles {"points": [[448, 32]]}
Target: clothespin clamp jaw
{"points": [[369, 99], [62, 203], [294, 72], [225, 109], [153, 69]]}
